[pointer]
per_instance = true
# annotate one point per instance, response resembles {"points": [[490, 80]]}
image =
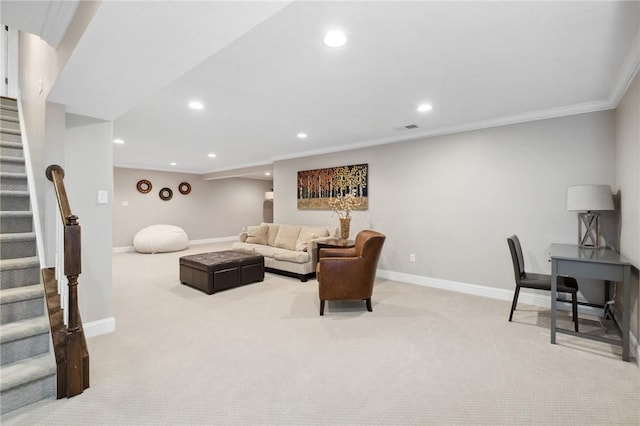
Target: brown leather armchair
{"points": [[348, 273]]}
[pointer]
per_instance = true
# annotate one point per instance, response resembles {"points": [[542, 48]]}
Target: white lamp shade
{"points": [[268, 195], [589, 198]]}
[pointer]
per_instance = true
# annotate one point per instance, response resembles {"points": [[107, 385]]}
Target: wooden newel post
{"points": [[71, 351], [72, 269]]}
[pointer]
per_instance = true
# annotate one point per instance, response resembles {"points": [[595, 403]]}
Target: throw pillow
{"points": [[257, 234], [308, 234], [287, 237], [272, 232]]}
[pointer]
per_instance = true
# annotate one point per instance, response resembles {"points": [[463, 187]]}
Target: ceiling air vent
{"points": [[407, 127]]}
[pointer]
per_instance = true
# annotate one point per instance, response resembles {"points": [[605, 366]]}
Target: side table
{"points": [[338, 243]]}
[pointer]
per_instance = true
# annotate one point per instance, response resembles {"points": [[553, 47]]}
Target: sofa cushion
{"points": [[308, 234], [243, 247], [287, 236], [266, 251], [272, 232], [291, 256], [257, 234]]}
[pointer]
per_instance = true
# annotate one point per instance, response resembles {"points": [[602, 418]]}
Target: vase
{"points": [[344, 227]]}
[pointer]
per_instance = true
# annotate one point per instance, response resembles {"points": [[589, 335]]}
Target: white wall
{"points": [[627, 129], [452, 200], [88, 169], [38, 71], [213, 209], [85, 152]]}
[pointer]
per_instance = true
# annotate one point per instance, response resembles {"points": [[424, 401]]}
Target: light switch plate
{"points": [[103, 197]]}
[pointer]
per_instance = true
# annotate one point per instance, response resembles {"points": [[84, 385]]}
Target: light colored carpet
{"points": [[261, 354]]}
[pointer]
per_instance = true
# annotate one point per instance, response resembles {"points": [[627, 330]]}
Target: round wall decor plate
{"points": [[184, 188], [166, 194], [143, 186]]}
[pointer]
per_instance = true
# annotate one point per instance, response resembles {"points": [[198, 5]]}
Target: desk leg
{"points": [[554, 296], [626, 311]]}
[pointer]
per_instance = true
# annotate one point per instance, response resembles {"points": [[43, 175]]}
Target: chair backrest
{"points": [[369, 244], [516, 257], [369, 247]]}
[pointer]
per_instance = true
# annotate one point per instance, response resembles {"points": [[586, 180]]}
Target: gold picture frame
{"points": [[317, 188]]}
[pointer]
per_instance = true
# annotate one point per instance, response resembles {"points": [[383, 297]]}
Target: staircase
{"points": [[28, 367]]}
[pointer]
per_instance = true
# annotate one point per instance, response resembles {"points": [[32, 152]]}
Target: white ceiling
{"points": [[263, 73]]}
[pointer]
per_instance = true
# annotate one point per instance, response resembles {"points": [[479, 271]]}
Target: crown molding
{"points": [[628, 71], [563, 111]]}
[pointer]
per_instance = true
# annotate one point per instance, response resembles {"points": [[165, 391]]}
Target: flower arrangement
{"points": [[344, 204]]}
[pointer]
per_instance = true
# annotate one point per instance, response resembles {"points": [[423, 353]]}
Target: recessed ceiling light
{"points": [[173, 164], [335, 38], [424, 107], [211, 155], [267, 174], [302, 135], [196, 105], [118, 141]]}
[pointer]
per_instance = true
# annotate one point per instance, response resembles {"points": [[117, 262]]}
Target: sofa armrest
{"points": [[312, 248], [242, 237]]}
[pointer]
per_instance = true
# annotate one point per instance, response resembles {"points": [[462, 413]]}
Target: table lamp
{"points": [[587, 199]]}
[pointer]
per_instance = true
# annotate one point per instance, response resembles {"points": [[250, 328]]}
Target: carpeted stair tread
{"points": [[6, 107], [13, 175], [12, 295], [8, 130], [19, 263], [7, 144], [11, 116], [21, 303], [7, 101], [14, 193], [23, 329], [12, 164], [12, 181], [26, 371], [15, 214], [17, 245], [16, 221], [17, 237], [7, 159]]}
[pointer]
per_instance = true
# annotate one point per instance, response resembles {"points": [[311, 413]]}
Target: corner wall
{"points": [[88, 169], [627, 136]]}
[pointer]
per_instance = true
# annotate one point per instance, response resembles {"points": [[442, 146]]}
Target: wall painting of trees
{"points": [[316, 188]]}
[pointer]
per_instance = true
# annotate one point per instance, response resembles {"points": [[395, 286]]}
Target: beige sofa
{"points": [[287, 249]]}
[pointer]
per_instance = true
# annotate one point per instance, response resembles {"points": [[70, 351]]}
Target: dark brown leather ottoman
{"points": [[220, 270]]}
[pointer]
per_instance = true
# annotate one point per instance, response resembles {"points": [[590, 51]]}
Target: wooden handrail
{"points": [[55, 174], [73, 364]]}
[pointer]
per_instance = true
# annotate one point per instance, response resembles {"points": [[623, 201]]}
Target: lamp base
{"points": [[590, 236]]}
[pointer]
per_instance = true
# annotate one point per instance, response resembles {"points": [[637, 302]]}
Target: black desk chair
{"points": [[538, 281]]}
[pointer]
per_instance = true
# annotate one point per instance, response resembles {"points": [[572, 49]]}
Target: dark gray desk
{"points": [[602, 264]]}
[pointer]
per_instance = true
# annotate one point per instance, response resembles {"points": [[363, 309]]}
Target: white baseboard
{"points": [[533, 299], [214, 240], [96, 328], [500, 294], [126, 249]]}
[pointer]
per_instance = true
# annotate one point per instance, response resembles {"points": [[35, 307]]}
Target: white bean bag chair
{"points": [[160, 239]]}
